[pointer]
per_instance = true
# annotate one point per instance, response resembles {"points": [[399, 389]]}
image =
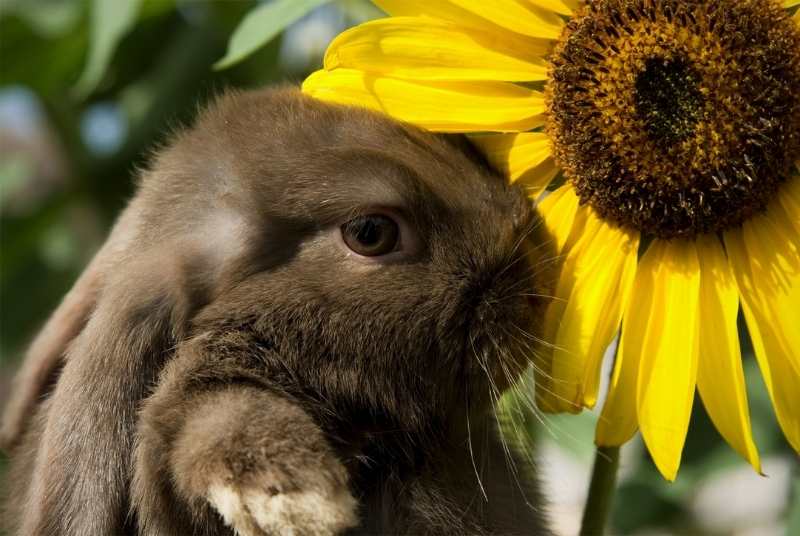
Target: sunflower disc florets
{"points": [[676, 117]]}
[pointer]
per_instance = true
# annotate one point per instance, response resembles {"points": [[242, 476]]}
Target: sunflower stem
{"points": [[601, 491]]}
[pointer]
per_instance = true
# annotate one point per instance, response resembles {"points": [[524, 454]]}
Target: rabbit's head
{"points": [[385, 272], [382, 269]]}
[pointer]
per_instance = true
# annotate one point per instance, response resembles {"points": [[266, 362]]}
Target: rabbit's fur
{"points": [[225, 362]]}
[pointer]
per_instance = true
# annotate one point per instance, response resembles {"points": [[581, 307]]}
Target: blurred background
{"points": [[89, 88]]}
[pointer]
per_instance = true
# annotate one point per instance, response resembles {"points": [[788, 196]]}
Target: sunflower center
{"points": [[676, 117], [668, 100]]}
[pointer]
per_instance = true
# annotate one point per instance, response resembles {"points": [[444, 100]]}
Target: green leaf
{"points": [[22, 49], [261, 25], [110, 21], [49, 18], [155, 8]]}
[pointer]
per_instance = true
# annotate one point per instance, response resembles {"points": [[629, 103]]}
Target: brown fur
{"points": [[222, 347]]}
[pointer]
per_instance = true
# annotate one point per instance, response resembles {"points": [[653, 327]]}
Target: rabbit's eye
{"points": [[371, 235]]}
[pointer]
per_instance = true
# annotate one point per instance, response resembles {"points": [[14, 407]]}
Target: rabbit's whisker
{"points": [[472, 457], [510, 463]]}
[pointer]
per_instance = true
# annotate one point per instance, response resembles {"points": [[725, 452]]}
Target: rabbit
{"points": [[300, 324]]}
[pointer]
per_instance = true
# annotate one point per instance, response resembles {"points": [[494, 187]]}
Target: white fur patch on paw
{"points": [[228, 503], [286, 514], [302, 513]]}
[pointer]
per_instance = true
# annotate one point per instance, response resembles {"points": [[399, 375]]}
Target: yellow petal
{"points": [[563, 7], [773, 246], [608, 326], [535, 180], [618, 420], [421, 48], [526, 157], [789, 196], [666, 338], [790, 3], [438, 106], [562, 215], [594, 285], [720, 378], [563, 218], [443, 10], [530, 20], [514, 154], [765, 258]]}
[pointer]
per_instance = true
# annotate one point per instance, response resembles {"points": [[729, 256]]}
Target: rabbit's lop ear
{"points": [[101, 352], [45, 355], [110, 339]]}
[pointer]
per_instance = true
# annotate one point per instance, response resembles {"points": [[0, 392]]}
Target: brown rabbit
{"points": [[298, 326]]}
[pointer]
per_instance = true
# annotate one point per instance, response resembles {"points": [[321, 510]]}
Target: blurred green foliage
{"points": [[150, 62], [92, 86]]}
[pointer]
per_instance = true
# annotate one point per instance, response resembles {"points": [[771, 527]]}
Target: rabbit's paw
{"points": [[256, 512]]}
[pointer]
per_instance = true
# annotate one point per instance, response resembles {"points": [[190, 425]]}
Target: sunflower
{"points": [[669, 134]]}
